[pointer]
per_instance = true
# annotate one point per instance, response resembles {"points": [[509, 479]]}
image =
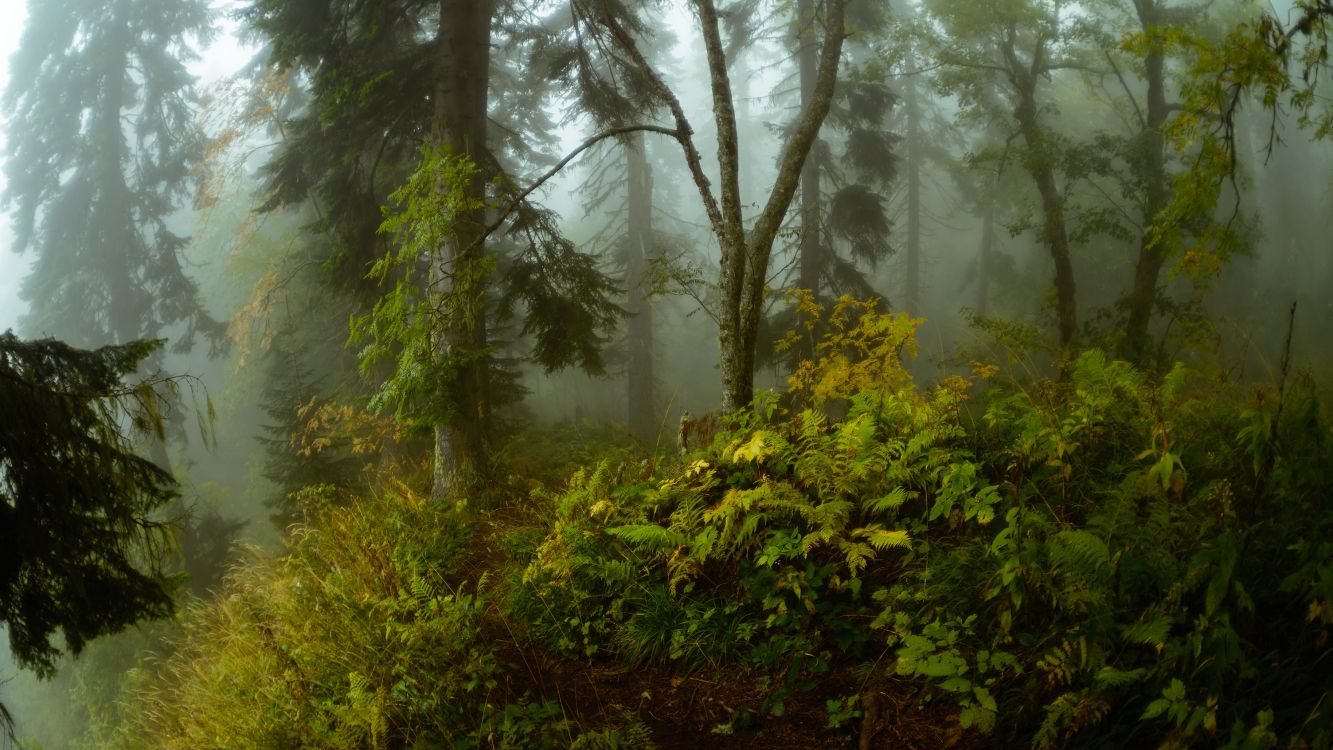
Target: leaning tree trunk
{"points": [[643, 422], [1151, 253], [810, 261], [463, 71]]}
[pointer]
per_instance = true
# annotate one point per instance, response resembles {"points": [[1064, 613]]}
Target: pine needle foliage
{"points": [[80, 555]]}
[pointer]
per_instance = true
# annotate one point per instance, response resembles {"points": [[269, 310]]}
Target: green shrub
{"points": [[362, 636]]}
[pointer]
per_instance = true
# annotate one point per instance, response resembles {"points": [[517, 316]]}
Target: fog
{"points": [[932, 196]]}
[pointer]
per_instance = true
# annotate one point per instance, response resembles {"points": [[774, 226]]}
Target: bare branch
{"points": [[571, 156], [1128, 94], [684, 133]]}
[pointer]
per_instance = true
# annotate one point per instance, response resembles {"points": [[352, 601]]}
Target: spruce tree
{"points": [[385, 79], [101, 141], [79, 552]]}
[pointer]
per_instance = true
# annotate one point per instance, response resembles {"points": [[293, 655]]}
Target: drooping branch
{"points": [[523, 194], [684, 132]]}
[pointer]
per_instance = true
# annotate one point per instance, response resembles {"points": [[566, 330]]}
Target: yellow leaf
{"points": [[753, 451]]}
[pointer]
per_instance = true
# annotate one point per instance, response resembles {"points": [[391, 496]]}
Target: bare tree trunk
{"points": [[463, 74], [642, 399], [985, 263], [912, 289], [1151, 256], [1038, 163], [810, 260], [745, 256]]}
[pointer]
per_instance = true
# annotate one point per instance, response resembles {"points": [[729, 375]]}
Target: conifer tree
{"points": [[77, 545], [386, 78], [101, 141]]}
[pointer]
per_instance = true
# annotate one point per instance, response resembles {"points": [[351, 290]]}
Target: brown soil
{"points": [[725, 710]]}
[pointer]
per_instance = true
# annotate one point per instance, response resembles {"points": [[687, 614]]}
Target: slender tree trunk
{"points": [[463, 73], [810, 261], [1053, 233], [642, 422], [743, 271], [985, 263], [912, 289], [1151, 256], [745, 256]]}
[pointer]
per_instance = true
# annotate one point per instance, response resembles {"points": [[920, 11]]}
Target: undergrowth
{"points": [[1111, 559]]}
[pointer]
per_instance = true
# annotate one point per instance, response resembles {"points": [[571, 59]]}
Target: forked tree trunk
{"points": [[745, 256], [463, 51]]}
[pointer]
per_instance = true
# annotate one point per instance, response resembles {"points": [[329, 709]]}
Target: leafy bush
{"points": [[1105, 559]]}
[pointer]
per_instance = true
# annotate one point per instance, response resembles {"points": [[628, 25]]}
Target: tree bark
{"points": [[912, 287], [986, 262], [463, 75], [643, 422], [745, 257], [1151, 258], [810, 262], [1039, 165]]}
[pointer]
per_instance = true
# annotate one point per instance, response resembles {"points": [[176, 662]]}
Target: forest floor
{"points": [[722, 709], [714, 708]]}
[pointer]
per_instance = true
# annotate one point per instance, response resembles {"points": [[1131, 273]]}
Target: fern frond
{"points": [[882, 539], [648, 535]]}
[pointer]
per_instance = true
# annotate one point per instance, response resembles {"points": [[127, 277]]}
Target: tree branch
{"points": [[760, 242], [571, 156], [684, 133], [1143, 124]]}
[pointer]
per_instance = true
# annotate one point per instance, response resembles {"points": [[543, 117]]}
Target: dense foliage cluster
{"points": [[76, 535]]}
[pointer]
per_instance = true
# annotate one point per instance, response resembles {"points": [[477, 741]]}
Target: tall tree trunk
{"points": [[1038, 163], [986, 261], [463, 49], [912, 288], [810, 261], [1151, 255], [643, 422], [743, 272]]}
